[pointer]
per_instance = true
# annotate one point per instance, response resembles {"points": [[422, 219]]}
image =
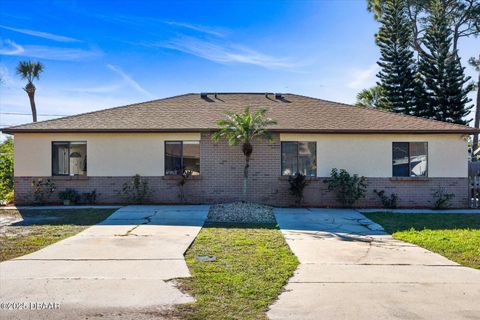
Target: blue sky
{"points": [[100, 54]]}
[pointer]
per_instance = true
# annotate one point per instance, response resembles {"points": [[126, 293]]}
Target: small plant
{"points": [[441, 199], [297, 182], [136, 189], [349, 188], [9, 197], [42, 189], [186, 174], [69, 196], [90, 197], [388, 202]]}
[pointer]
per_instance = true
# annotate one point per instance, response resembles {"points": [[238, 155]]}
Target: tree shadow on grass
{"points": [[395, 222], [77, 217]]}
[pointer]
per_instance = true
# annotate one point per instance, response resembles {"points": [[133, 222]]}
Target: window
{"points": [[299, 157], [410, 159], [182, 155], [69, 158]]}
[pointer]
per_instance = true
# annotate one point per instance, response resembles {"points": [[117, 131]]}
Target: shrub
{"points": [[6, 170], [136, 189], [186, 174], [69, 194], [297, 183], [42, 189], [349, 188], [9, 197], [388, 202], [90, 197], [441, 199]]}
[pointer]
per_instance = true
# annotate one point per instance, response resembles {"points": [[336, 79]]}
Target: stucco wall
{"points": [[370, 155], [143, 153], [221, 169], [108, 154]]}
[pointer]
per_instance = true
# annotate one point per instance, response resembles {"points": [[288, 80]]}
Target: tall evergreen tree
{"points": [[397, 74], [441, 71]]}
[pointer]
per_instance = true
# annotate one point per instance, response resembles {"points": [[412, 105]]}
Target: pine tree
{"points": [[397, 74], [441, 71]]}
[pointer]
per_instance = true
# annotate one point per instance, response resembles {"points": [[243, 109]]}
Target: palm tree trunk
{"points": [[30, 89], [477, 120], [245, 177]]}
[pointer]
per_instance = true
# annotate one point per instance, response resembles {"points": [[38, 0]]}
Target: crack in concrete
{"points": [[148, 219]]}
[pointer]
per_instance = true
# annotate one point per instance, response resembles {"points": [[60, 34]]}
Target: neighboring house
{"points": [[101, 150]]}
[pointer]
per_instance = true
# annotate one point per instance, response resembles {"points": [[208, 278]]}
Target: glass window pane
{"points": [[400, 159], [289, 158], [307, 158], [78, 158], [191, 156], [173, 157], [60, 163], [418, 159]]}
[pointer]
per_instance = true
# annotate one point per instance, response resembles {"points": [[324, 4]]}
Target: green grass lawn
{"points": [[253, 264], [41, 228], [455, 236]]}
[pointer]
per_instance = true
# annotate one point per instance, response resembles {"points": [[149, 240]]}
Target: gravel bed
{"points": [[241, 212]]}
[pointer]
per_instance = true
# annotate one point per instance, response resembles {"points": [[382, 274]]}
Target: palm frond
{"points": [[29, 70]]}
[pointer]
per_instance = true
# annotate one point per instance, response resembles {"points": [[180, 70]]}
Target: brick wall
{"points": [[221, 181]]}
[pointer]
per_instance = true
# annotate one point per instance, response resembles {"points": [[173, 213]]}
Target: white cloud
{"points": [[363, 78], [40, 34], [97, 89], [10, 48], [226, 53], [128, 80], [218, 32]]}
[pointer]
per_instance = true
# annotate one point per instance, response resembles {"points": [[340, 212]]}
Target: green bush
{"points": [[349, 188], [388, 202], [42, 189], [137, 189], [69, 194], [441, 199], [297, 182], [6, 171], [9, 197], [90, 197]]}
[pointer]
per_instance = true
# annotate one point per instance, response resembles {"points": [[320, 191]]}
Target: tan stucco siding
{"points": [[371, 154], [126, 154], [108, 154]]}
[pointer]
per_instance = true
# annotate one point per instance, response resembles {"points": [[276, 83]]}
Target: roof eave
{"points": [[324, 131]]}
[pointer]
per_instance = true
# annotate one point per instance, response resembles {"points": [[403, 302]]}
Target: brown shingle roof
{"points": [[191, 112]]}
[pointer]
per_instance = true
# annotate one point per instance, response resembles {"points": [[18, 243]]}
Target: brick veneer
{"points": [[221, 181]]}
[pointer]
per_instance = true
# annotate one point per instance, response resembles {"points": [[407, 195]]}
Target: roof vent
{"points": [[203, 95], [278, 96]]}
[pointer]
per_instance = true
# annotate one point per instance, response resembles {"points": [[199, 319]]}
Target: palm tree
{"points": [[29, 71], [372, 98], [242, 129]]}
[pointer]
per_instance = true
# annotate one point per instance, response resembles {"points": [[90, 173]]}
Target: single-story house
{"points": [[101, 150]]}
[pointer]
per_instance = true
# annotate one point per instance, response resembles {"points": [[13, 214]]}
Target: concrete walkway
{"points": [[122, 263], [352, 270]]}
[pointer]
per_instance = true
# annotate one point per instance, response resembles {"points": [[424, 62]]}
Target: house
{"points": [[101, 150]]}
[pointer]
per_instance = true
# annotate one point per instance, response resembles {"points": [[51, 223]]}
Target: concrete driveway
{"points": [[123, 263], [351, 270]]}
